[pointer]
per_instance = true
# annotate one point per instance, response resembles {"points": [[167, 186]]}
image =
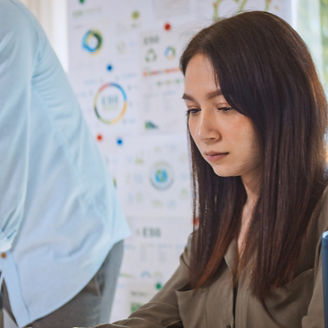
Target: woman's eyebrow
{"points": [[209, 95], [185, 96]]}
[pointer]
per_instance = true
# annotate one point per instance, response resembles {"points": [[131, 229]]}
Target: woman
{"points": [[257, 116]]}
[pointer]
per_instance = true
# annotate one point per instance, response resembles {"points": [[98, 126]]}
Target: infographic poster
{"points": [[124, 68]]}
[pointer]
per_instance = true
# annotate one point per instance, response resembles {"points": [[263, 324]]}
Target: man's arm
{"points": [[18, 42]]}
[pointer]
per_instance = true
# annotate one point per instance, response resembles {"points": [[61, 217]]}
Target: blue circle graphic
{"points": [[161, 175]]}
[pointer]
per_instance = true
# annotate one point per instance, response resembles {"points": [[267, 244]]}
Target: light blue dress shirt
{"points": [[59, 213]]}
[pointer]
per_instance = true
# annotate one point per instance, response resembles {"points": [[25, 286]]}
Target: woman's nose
{"points": [[207, 127]]}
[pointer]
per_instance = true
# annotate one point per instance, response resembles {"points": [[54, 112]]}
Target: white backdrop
{"points": [[52, 14]]}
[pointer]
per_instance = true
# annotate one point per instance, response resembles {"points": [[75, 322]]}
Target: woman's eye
{"points": [[191, 111], [225, 108]]}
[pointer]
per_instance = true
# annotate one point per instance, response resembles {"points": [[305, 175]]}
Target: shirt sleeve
{"points": [[162, 311], [18, 40], [315, 315]]}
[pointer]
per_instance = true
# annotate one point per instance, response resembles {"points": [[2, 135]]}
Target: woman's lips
{"points": [[215, 156]]}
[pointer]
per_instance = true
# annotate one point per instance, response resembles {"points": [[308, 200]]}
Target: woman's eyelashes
{"points": [[195, 110], [225, 108], [191, 111]]}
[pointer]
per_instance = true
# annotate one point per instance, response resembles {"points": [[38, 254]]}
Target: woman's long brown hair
{"points": [[265, 72]]}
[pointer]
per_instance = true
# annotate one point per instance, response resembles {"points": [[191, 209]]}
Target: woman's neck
{"points": [[252, 191]]}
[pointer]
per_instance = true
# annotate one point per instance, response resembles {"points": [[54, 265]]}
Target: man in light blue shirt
{"points": [[61, 226]]}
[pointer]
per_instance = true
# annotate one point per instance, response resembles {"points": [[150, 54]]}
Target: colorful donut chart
{"points": [[122, 110], [92, 41]]}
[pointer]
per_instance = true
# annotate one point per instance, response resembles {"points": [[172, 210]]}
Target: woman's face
{"points": [[225, 138]]}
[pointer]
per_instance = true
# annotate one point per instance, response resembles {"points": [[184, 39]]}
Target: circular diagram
{"points": [[170, 53], [92, 41], [110, 103], [161, 175], [151, 55]]}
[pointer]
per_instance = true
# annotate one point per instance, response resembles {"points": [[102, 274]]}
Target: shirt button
{"points": [[3, 255]]}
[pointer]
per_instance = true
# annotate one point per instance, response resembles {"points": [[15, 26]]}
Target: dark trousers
{"points": [[91, 306]]}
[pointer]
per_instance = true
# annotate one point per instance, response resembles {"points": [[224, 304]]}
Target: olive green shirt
{"points": [[297, 304]]}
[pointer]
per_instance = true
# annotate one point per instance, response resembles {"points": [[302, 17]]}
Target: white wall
{"points": [[52, 16]]}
